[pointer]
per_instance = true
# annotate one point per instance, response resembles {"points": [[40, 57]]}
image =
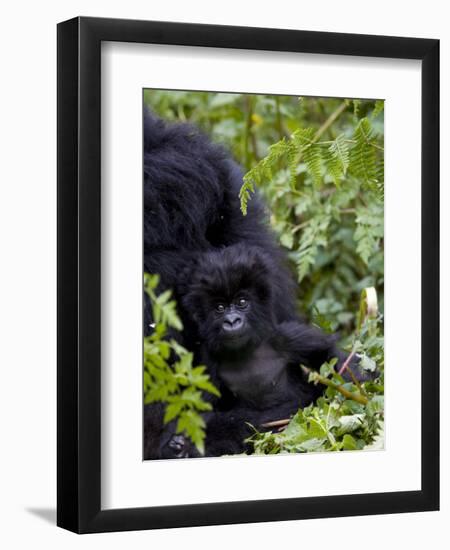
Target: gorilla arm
{"points": [[307, 345]]}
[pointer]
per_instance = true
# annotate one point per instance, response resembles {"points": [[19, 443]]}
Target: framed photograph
{"points": [[248, 275]]}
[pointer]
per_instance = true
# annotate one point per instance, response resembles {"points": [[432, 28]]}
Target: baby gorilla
{"points": [[253, 359]]}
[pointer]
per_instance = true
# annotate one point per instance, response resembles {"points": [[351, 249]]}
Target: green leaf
{"points": [[350, 423], [313, 445], [349, 443], [367, 363], [327, 369], [150, 282], [172, 411], [287, 240], [178, 384], [193, 425]]}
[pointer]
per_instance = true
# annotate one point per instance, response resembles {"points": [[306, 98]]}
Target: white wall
{"points": [[28, 268]]}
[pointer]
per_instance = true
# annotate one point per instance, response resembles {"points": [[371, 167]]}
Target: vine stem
{"points": [[279, 124], [348, 394], [250, 139], [300, 226], [329, 121]]}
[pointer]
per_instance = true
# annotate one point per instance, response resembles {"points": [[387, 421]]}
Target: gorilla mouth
{"points": [[235, 333], [234, 338]]}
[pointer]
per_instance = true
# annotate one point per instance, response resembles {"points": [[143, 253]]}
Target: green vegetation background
{"points": [[318, 162]]}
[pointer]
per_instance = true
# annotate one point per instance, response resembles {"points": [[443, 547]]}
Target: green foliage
{"points": [[358, 161], [326, 199], [369, 230], [350, 415], [169, 375], [329, 425], [364, 155]]}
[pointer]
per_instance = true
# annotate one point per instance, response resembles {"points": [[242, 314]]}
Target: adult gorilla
{"points": [[191, 206]]}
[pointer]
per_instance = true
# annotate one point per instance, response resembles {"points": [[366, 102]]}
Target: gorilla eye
{"points": [[220, 308], [242, 302]]}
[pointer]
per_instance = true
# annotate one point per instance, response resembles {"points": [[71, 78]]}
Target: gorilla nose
{"points": [[233, 321]]}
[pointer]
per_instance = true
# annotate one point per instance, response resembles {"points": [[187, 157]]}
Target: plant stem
{"points": [[300, 226], [330, 121], [348, 394], [250, 139], [279, 124], [276, 423]]}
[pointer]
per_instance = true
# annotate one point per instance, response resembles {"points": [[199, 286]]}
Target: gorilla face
{"points": [[231, 322], [230, 298]]}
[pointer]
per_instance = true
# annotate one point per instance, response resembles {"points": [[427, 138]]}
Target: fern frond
{"points": [[303, 137], [337, 158], [263, 170], [311, 154], [363, 154], [339, 148], [312, 157], [276, 152], [313, 237], [379, 108], [245, 193], [304, 260]]}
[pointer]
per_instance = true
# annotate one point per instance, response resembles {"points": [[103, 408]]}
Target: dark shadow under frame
{"points": [[79, 280]]}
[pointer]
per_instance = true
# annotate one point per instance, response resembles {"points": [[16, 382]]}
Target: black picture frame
{"points": [[79, 279]]}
